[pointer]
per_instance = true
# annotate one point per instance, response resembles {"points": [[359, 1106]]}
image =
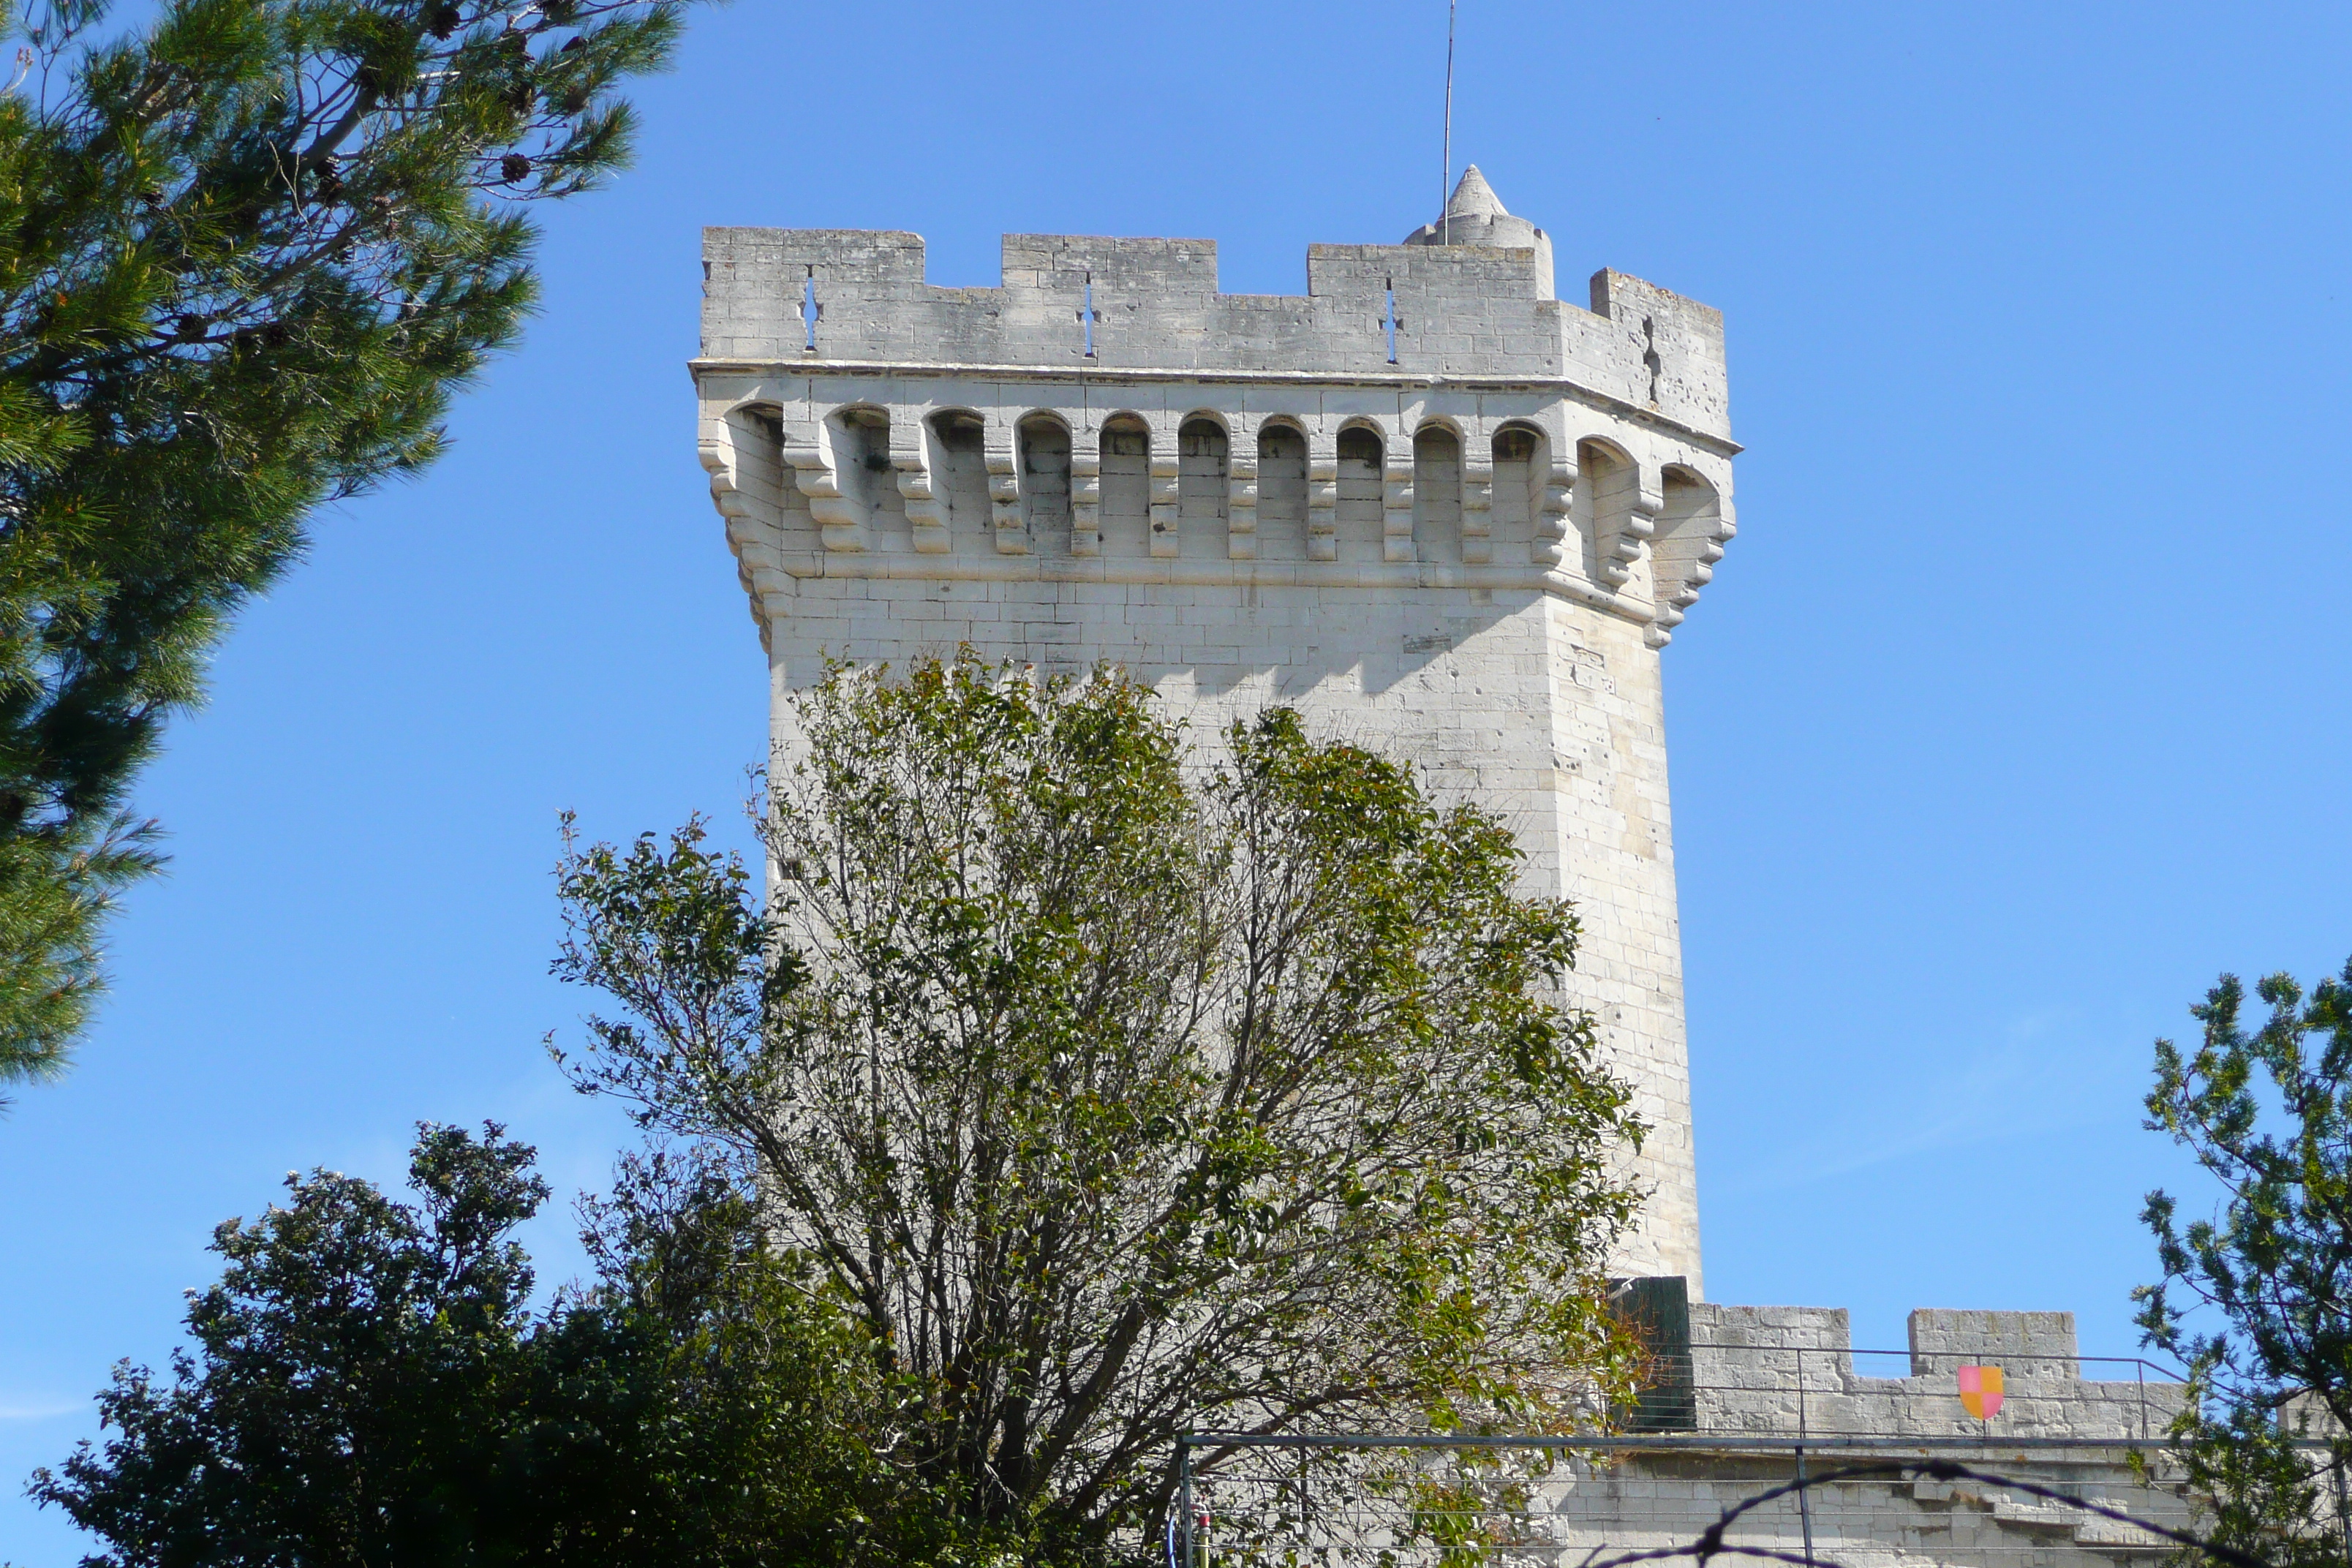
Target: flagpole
{"points": [[1446, 176]]}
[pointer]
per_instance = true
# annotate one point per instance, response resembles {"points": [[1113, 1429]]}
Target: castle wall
{"points": [[1791, 1372], [1773, 1394]]}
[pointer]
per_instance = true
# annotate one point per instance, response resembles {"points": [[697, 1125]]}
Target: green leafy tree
{"points": [[368, 1383], [1121, 1092], [2258, 1300], [248, 250]]}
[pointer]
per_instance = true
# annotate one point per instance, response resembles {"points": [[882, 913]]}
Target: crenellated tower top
{"points": [[1591, 447], [1477, 311]]}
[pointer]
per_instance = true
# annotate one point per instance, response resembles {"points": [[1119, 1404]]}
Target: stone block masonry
{"points": [[1425, 502]]}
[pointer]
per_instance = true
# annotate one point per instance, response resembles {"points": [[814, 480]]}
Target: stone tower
{"points": [[1425, 502]]}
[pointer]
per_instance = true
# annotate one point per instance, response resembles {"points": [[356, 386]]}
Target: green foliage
{"points": [[2258, 1300], [54, 891], [248, 250], [1119, 1091], [370, 1385]]}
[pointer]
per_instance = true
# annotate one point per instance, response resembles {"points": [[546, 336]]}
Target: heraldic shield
{"points": [[1980, 1391]]}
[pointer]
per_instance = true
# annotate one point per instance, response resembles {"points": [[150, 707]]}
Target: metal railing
{"points": [[1779, 1391]]}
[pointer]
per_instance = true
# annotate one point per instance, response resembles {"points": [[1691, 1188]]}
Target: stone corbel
{"points": [[1165, 488], [729, 455], [1396, 500], [746, 473], [1477, 495], [1676, 597], [1619, 553], [1004, 456], [814, 451], [1241, 499], [1322, 496], [915, 463], [1086, 497], [1553, 529]]}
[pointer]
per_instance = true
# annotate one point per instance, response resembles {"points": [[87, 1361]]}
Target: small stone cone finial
{"points": [[1474, 216], [1474, 197]]}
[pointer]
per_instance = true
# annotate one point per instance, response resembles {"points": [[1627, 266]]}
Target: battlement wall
{"points": [[1460, 312], [1781, 1371]]}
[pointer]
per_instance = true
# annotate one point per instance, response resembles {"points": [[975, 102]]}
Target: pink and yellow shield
{"points": [[1981, 1393]]}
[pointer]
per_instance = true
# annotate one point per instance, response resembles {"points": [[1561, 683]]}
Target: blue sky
{"points": [[2016, 712]]}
